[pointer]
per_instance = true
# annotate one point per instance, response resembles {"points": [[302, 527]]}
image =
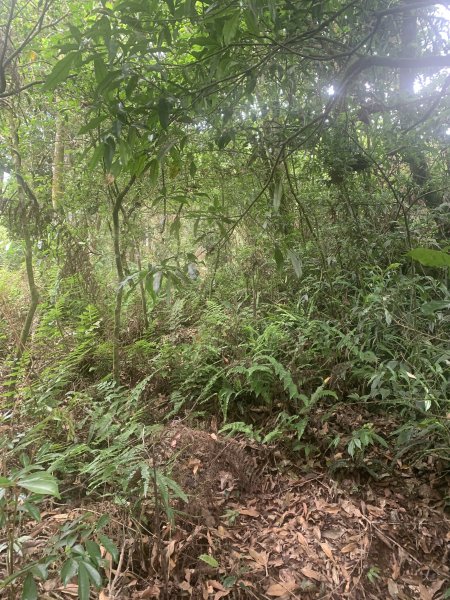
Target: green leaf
{"points": [[102, 522], [209, 560], [93, 549], [83, 582], [278, 257], [230, 28], [96, 156], [92, 124], [69, 570], [5, 482], [30, 591], [175, 227], [164, 112], [109, 546], [100, 69], [430, 258], [40, 570], [154, 170], [40, 483], [93, 573], [32, 510], [429, 308], [60, 71], [296, 263]]}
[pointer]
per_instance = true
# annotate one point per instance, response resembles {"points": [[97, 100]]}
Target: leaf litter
{"points": [[271, 534]]}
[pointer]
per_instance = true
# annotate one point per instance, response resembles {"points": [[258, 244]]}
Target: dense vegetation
{"points": [[233, 215]]}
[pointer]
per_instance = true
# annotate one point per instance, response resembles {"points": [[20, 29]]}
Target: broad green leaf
{"points": [[209, 560], [83, 582], [230, 28], [100, 69], [278, 256], [30, 591], [164, 112], [93, 573], [154, 170], [60, 71], [93, 124], [433, 306], [175, 227], [429, 257], [40, 483], [32, 510], [104, 519], [97, 156], [93, 549], [69, 570], [296, 262], [41, 571], [109, 546], [5, 482]]}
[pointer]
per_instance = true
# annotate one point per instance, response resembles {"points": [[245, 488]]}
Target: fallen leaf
{"points": [[327, 550], [259, 557], [392, 589], [424, 593], [311, 574], [151, 592], [249, 512], [349, 548], [280, 589]]}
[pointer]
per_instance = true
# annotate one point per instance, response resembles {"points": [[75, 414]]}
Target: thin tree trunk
{"points": [[22, 196], [58, 163], [34, 294], [119, 294], [118, 199], [142, 288]]}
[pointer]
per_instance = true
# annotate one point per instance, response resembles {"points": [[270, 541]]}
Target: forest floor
{"points": [[259, 527]]}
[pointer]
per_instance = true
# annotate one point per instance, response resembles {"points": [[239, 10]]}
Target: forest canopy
{"points": [[224, 240]]}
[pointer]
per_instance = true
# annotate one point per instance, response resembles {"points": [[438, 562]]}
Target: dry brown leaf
{"points": [[280, 589], [349, 548], [70, 589], [311, 574], [103, 595], [351, 509], [392, 589], [216, 585], [194, 464], [327, 550], [249, 512], [424, 593], [151, 592], [186, 586], [375, 511], [301, 538], [259, 557], [221, 594]]}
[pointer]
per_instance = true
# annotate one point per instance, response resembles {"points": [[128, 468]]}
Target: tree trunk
{"points": [[58, 163], [119, 293], [34, 294], [24, 226], [117, 205]]}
